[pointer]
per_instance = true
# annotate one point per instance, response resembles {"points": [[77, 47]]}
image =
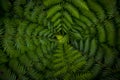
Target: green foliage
{"points": [[3, 57], [84, 76], [110, 31], [110, 55], [72, 10], [52, 2], [5, 5], [93, 47], [59, 40], [101, 33], [110, 8], [68, 17], [97, 9], [53, 10], [80, 4], [87, 45], [67, 60]]}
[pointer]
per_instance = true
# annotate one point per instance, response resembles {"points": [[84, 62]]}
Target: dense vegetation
{"points": [[59, 39]]}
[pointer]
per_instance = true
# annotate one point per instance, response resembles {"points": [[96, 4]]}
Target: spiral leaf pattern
{"points": [[60, 40]]}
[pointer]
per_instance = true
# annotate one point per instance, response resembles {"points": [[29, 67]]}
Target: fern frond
{"points": [[57, 22], [28, 10], [110, 55], [30, 29], [20, 45], [10, 26], [18, 8], [53, 10], [93, 47], [15, 66], [81, 44], [22, 27], [110, 31], [7, 73], [77, 66], [80, 4], [101, 33], [84, 76], [96, 70], [99, 55], [35, 14], [82, 24], [57, 15], [110, 8], [49, 3], [97, 9], [3, 57], [72, 10], [32, 55], [61, 71], [68, 17], [5, 4], [25, 61], [37, 30], [67, 23], [87, 45], [89, 14], [34, 74], [89, 64]]}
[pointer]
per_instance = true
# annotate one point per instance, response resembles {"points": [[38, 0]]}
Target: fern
{"points": [[15, 66], [110, 7], [49, 3], [54, 18], [25, 61], [7, 73], [101, 33], [3, 57], [59, 40], [89, 64], [72, 10], [87, 45], [63, 60], [34, 74], [97, 9], [20, 45], [110, 31], [90, 15], [99, 55], [30, 29], [17, 7], [5, 5], [109, 55], [81, 45], [93, 47], [84, 76], [68, 17], [80, 4], [53, 10]]}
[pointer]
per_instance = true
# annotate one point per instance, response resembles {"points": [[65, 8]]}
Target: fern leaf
{"points": [[72, 10], [97, 9], [101, 33], [68, 17], [93, 47], [53, 10], [80, 4], [54, 18], [49, 3], [109, 55], [110, 31]]}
